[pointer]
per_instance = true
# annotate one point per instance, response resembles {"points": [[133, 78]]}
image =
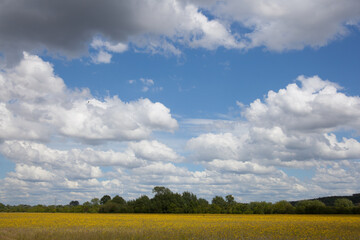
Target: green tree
{"points": [[95, 201], [161, 191], [190, 202], [202, 206], [242, 208], [109, 207], [310, 207], [343, 203], [119, 200], [283, 207], [165, 201], [261, 207], [230, 204], [2, 207], [141, 204], [105, 199], [74, 203], [122, 206], [218, 205]]}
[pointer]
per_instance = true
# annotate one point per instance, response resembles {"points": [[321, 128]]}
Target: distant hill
{"points": [[329, 201]]}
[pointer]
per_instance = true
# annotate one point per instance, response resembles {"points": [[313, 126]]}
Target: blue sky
{"points": [[258, 100]]}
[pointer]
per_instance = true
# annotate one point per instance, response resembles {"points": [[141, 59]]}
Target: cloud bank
{"points": [[298, 127], [69, 28], [35, 104]]}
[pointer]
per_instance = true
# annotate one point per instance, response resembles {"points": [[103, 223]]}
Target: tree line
{"points": [[166, 201]]}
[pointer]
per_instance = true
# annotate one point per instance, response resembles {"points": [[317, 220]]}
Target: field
{"points": [[167, 226]]}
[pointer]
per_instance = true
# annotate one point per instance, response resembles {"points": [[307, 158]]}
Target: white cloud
{"points": [[101, 44], [31, 173], [35, 104], [316, 106], [294, 24], [215, 146], [297, 128], [166, 26], [102, 57], [87, 159], [235, 166], [104, 47], [147, 82], [154, 151]]}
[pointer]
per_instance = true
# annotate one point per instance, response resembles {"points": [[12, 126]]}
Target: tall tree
{"points": [[105, 199]]}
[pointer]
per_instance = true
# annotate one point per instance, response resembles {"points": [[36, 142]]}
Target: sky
{"points": [[257, 99]]}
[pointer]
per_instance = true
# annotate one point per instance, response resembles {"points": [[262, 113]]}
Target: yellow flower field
{"points": [[167, 226]]}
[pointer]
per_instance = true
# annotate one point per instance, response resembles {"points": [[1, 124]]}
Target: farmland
{"points": [[176, 226]]}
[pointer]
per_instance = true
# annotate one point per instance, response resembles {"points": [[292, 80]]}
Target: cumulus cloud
{"points": [[216, 146], [67, 27], [103, 48], [315, 106], [294, 24], [295, 127], [31, 173], [298, 123], [48, 172], [102, 57], [154, 151], [87, 159], [79, 170], [239, 167], [35, 104]]}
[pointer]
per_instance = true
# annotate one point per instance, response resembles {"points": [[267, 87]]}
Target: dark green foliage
{"points": [[110, 207], [343, 203], [166, 201], [283, 207], [95, 201], [105, 199], [140, 205], [2, 207], [261, 207], [218, 205], [310, 207], [74, 203], [190, 202], [330, 201]]}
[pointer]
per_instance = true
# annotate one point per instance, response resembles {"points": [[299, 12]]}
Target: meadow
{"points": [[176, 226]]}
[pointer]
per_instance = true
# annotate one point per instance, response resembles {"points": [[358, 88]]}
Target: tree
{"points": [[141, 204], [74, 203], [109, 207], [230, 203], [190, 202], [283, 207], [261, 207], [95, 201], [203, 206], [119, 200], [162, 200], [2, 207], [242, 208], [218, 205], [161, 190], [105, 199], [343, 203], [230, 199], [310, 206]]}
